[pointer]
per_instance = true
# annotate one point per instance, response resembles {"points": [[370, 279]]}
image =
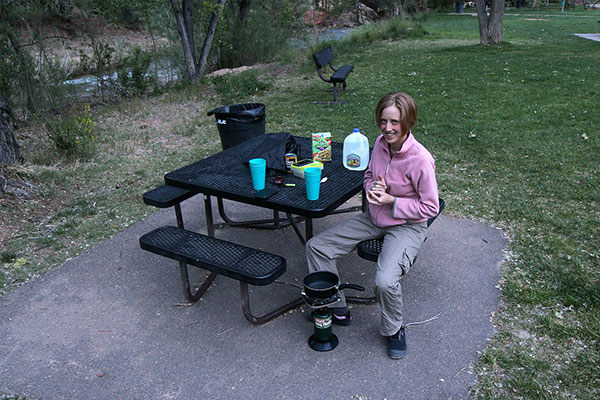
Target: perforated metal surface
{"points": [[226, 258], [226, 175], [370, 249], [166, 196]]}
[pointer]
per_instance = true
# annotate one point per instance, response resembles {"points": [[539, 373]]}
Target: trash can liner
{"points": [[238, 123], [240, 112]]}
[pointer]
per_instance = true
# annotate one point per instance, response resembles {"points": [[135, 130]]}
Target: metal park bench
{"points": [[323, 59], [219, 257]]}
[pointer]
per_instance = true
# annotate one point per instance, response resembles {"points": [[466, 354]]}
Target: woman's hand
{"points": [[379, 185], [379, 198], [378, 194]]}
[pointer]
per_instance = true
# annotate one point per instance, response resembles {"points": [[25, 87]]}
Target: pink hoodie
{"points": [[410, 178]]}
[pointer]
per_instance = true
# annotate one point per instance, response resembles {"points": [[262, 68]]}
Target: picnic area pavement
{"points": [[113, 323]]}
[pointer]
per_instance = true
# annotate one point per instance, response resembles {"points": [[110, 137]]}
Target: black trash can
{"points": [[238, 123]]}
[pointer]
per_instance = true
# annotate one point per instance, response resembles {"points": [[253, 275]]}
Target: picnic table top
{"points": [[226, 175]]}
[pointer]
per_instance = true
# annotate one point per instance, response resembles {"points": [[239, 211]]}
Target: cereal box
{"points": [[321, 146]]}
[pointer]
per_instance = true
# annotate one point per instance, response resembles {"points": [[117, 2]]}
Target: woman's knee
{"points": [[385, 283], [312, 244]]}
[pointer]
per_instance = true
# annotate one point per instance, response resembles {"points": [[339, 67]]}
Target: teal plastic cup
{"points": [[258, 170], [312, 178]]}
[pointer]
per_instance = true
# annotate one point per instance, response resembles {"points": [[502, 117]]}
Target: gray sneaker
{"points": [[397, 345]]}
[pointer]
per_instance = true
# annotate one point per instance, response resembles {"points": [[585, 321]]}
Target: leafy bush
{"points": [[134, 77], [440, 4], [73, 137], [393, 29], [258, 38], [27, 80]]}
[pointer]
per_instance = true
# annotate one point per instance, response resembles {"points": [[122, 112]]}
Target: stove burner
{"points": [[320, 303]]}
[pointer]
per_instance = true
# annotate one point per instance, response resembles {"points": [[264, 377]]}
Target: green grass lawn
{"points": [[513, 129]]}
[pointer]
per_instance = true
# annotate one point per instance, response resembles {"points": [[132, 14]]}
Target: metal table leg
{"points": [[268, 316], [210, 228]]}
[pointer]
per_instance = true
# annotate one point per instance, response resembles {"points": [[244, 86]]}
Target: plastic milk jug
{"points": [[356, 151]]}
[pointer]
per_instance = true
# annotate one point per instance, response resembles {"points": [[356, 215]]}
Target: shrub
{"points": [[258, 39], [440, 4], [134, 77], [73, 137]]}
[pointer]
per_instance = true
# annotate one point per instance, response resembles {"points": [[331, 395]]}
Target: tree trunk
{"points": [[186, 7], [208, 40], [26, 70], [244, 7], [184, 16], [9, 148], [186, 42], [490, 27]]}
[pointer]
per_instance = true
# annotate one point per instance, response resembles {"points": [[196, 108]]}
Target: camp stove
{"points": [[323, 339], [321, 291]]}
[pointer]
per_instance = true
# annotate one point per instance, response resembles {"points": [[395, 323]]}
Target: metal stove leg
{"points": [[309, 228], [270, 315], [193, 296]]}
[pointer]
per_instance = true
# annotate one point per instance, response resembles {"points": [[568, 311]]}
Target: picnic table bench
{"points": [[370, 249], [166, 196], [219, 257], [323, 59]]}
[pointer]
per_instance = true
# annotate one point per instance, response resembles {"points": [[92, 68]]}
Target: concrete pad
{"points": [[111, 324]]}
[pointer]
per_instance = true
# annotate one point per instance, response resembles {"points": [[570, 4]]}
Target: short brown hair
{"points": [[404, 103]]}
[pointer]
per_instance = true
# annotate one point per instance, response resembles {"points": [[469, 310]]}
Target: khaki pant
{"points": [[400, 247]]}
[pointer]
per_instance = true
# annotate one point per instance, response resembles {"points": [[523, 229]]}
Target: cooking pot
{"points": [[325, 285]]}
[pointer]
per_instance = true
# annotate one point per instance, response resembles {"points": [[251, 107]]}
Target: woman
{"points": [[402, 194]]}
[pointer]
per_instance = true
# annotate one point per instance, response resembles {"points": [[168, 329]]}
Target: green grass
{"points": [[513, 129]]}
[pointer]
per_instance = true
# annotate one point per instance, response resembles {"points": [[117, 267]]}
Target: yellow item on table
{"points": [[298, 168]]}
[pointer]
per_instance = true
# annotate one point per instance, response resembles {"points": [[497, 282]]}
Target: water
{"points": [[86, 86]]}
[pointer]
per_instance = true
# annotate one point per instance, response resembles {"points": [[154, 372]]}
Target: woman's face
{"points": [[391, 129]]}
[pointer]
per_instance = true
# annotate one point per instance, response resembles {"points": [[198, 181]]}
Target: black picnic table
{"points": [[226, 175]]}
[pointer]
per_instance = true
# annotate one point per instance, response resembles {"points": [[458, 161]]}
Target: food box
{"points": [[299, 167], [321, 146]]}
